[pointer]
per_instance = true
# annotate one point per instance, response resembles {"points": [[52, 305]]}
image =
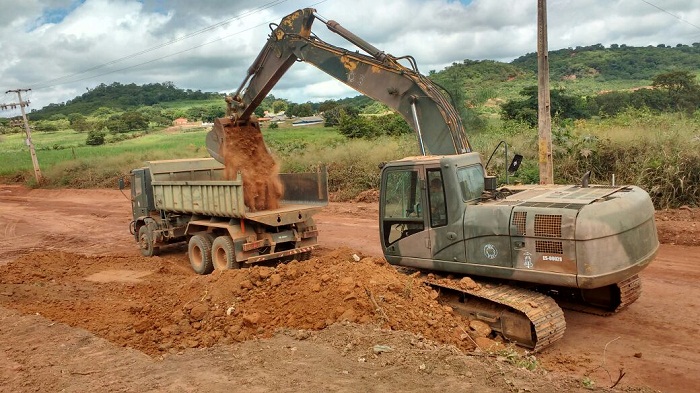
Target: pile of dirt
{"points": [[157, 307], [244, 151], [679, 226], [368, 196]]}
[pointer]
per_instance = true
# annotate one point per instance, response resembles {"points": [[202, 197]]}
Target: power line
{"points": [[46, 84], [158, 58], [673, 15]]}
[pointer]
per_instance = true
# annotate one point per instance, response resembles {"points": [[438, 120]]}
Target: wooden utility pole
{"points": [[27, 130], [544, 116]]}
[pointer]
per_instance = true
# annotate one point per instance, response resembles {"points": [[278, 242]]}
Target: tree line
{"points": [[676, 91]]}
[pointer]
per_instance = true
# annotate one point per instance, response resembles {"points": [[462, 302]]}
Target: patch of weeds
{"points": [[525, 360], [588, 383]]}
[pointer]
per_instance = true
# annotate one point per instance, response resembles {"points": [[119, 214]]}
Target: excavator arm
{"points": [[378, 75]]}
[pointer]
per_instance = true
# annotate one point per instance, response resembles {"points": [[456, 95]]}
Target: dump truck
{"points": [[190, 200]]}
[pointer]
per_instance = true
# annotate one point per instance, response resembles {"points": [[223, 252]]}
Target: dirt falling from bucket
{"points": [[244, 151]]}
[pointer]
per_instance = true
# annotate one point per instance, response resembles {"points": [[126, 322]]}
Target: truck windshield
{"points": [[471, 182]]}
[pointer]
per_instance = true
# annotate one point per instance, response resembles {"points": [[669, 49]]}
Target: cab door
{"points": [[403, 215]]}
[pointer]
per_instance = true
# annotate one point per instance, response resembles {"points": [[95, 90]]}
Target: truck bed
{"points": [[197, 186]]}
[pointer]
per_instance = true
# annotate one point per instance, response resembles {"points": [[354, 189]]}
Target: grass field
{"points": [[65, 151], [61, 146], [657, 152]]}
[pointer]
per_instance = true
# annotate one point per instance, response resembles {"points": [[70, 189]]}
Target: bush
{"points": [[95, 138], [355, 127]]}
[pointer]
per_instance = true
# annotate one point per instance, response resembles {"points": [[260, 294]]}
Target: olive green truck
{"points": [[189, 200]]}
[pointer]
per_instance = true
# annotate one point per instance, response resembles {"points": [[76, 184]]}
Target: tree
{"points": [[115, 124], [332, 116], [392, 124], [562, 106], [305, 109], [327, 105], [675, 81], [134, 121], [95, 138], [78, 122], [682, 89], [357, 127], [279, 106]]}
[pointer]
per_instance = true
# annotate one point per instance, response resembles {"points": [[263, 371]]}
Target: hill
{"points": [[581, 70], [618, 62], [117, 96]]}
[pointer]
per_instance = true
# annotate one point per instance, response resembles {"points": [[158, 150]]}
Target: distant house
{"points": [[307, 121], [180, 121]]}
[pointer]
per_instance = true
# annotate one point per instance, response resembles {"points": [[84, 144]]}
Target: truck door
{"points": [[403, 215]]}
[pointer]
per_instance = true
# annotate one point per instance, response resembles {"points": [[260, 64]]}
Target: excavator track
{"points": [[530, 319], [605, 301]]}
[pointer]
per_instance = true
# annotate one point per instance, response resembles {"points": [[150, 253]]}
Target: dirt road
{"points": [[81, 310]]}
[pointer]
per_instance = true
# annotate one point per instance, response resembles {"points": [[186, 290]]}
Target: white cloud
{"points": [[435, 32]]}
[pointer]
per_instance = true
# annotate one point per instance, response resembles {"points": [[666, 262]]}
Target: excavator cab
{"points": [[422, 208]]}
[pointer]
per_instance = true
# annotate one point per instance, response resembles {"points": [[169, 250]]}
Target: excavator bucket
{"points": [[240, 147]]}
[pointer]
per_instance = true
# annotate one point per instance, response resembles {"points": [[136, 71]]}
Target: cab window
{"points": [[402, 205], [471, 182], [403, 197], [136, 185], [436, 198]]}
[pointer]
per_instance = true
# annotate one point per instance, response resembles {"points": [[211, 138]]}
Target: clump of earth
{"points": [[157, 306], [244, 152]]}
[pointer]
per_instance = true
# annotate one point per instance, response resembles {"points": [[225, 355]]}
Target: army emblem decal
{"points": [[490, 251]]}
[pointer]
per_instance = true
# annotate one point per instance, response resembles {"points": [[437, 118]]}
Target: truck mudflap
{"points": [[305, 251], [530, 319]]}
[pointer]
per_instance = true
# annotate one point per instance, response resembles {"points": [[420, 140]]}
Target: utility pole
{"points": [[544, 115], [27, 130]]}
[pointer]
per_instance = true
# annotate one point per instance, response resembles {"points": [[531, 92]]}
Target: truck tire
{"points": [[146, 244], [199, 251], [223, 254]]}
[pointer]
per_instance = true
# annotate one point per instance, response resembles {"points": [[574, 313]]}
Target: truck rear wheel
{"points": [[224, 254], [146, 244], [199, 251]]}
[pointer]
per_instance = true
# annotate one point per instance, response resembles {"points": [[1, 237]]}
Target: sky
{"points": [[62, 48]]}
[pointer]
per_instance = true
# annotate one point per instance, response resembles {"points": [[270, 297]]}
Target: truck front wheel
{"points": [[146, 244], [224, 254], [199, 251]]}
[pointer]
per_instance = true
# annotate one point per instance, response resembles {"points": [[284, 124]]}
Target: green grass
{"points": [[62, 146], [656, 152], [65, 160]]}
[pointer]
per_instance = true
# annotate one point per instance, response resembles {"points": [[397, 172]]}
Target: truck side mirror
{"points": [[121, 183], [515, 164]]}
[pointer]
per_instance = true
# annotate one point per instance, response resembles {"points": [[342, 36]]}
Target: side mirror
{"points": [[121, 183], [515, 164]]}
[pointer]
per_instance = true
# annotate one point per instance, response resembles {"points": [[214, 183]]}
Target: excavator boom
{"points": [[416, 98]]}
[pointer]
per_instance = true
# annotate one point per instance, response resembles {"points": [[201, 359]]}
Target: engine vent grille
{"points": [[549, 247], [574, 206], [519, 219], [547, 225]]}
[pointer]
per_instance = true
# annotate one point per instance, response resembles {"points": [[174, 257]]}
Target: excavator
{"points": [[498, 255]]}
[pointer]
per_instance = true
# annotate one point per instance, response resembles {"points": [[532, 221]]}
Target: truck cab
{"points": [[141, 193]]}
